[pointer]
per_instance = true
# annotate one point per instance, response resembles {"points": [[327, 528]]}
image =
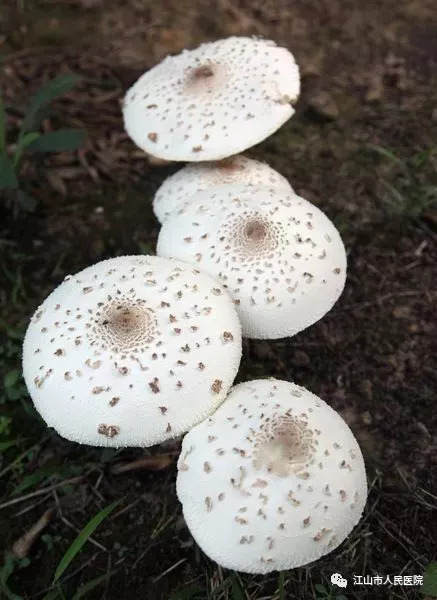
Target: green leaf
{"points": [[11, 378], [5, 572], [321, 589], [2, 125], [429, 586], [35, 478], [8, 179], [83, 590], [14, 334], [83, 536], [51, 90], [6, 445], [15, 393], [281, 585], [23, 142], [340, 597], [237, 593], [63, 140], [387, 154]]}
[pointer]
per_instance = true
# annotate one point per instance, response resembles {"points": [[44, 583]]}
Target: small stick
{"points": [[169, 570], [43, 491], [23, 545], [148, 463]]}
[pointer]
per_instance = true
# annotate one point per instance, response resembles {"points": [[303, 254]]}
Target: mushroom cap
{"points": [[131, 351], [273, 480], [279, 256], [214, 101], [177, 189]]}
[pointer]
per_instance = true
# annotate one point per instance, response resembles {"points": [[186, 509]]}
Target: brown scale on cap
{"points": [[321, 534], [154, 385], [216, 386], [108, 431]]}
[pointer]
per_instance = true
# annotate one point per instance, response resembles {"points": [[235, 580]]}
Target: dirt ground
{"points": [[369, 85]]}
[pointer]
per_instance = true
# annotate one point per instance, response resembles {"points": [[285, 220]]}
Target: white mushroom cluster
{"points": [[135, 350], [273, 480]]}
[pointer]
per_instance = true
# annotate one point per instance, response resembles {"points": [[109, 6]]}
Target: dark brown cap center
{"points": [[255, 231], [202, 72]]}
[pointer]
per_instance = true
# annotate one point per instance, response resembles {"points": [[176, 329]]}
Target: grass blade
{"points": [[63, 140], [237, 593], [81, 539], [2, 125], [35, 477], [387, 154], [51, 90], [8, 180], [281, 585], [83, 590], [26, 140], [5, 572]]}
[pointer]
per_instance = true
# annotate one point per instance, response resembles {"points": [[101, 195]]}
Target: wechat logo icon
{"points": [[337, 579]]}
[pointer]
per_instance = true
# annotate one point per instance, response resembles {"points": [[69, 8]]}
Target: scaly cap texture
{"points": [[273, 480], [131, 351], [214, 101], [279, 256], [178, 188]]}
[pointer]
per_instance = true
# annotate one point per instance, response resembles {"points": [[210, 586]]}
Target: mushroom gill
{"points": [[284, 445]]}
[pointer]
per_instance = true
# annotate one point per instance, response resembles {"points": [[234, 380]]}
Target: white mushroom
{"points": [[193, 178], [280, 257], [214, 101], [273, 480], [131, 351]]}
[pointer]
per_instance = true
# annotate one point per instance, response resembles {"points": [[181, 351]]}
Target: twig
{"points": [[148, 463], [23, 545], [45, 490], [169, 570], [126, 508], [76, 529], [31, 507]]}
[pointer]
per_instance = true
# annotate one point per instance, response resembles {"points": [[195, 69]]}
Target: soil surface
{"points": [[369, 88]]}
